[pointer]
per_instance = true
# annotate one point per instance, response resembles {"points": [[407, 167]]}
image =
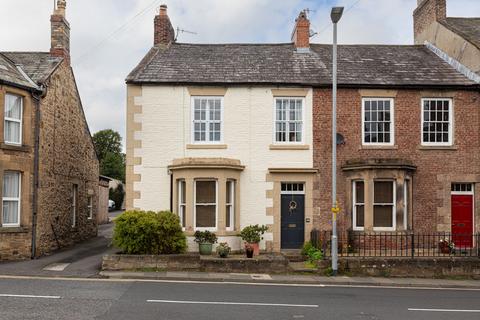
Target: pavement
{"points": [[82, 260], [293, 279], [105, 299]]}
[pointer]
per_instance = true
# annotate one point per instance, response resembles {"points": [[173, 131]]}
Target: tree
{"points": [[113, 166], [108, 145], [107, 141]]}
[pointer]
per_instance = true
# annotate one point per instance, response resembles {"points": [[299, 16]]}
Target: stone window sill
{"points": [[289, 147], [447, 148], [224, 233], [207, 146], [13, 230], [368, 147], [22, 148]]}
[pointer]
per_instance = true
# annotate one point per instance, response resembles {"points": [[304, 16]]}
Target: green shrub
{"points": [[253, 233], [313, 254], [140, 232]]}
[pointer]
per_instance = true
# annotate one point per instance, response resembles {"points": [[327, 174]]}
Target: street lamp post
{"points": [[336, 15]]}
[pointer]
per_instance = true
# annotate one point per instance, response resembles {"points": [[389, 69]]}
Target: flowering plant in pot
{"points": [[249, 250], [223, 250], [446, 246], [205, 240], [252, 235]]}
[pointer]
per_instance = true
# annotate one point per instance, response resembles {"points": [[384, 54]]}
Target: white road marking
{"points": [[260, 277], [444, 310], [56, 267], [28, 296], [237, 303], [240, 283]]}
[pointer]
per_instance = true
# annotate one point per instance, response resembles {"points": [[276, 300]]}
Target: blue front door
{"points": [[292, 225]]}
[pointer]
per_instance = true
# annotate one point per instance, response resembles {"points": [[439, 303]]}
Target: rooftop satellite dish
{"points": [[340, 139]]}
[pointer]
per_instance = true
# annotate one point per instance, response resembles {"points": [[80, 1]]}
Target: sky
{"points": [[109, 37]]}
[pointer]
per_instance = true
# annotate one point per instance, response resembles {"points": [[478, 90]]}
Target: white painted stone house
{"points": [[220, 143]]}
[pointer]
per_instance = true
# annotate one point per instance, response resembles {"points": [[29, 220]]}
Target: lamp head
{"points": [[336, 14]]}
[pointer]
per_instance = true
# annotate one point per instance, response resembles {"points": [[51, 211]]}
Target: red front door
{"points": [[462, 221]]}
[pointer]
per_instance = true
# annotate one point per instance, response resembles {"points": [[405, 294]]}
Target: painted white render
{"points": [[248, 132]]}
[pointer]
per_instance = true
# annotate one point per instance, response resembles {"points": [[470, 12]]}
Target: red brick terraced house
{"points": [[48, 165], [245, 138]]}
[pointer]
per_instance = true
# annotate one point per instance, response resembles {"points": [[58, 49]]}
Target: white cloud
{"points": [[101, 70]]}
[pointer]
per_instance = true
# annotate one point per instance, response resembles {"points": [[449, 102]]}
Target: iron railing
{"points": [[398, 244]]}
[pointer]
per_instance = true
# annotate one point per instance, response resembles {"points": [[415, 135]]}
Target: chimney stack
{"points": [[60, 34], [301, 32], [164, 33], [426, 13]]}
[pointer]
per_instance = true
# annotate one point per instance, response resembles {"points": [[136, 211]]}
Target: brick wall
{"points": [[427, 12], [436, 168], [67, 157]]}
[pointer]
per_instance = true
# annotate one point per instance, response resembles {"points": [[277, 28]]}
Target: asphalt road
{"points": [[124, 299]]}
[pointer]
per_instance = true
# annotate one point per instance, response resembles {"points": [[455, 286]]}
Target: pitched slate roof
{"points": [[10, 74], [468, 28], [373, 65], [37, 65]]}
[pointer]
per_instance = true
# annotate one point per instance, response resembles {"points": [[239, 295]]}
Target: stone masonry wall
{"points": [[15, 242], [437, 167], [67, 157]]}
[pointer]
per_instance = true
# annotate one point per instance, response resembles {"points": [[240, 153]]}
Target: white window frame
{"points": [[90, 207], [288, 121], [292, 191], [406, 197], [392, 122], [20, 121], [355, 203], [207, 121], [19, 200], [450, 122], [181, 204], [231, 205], [394, 206], [74, 204], [204, 204]]}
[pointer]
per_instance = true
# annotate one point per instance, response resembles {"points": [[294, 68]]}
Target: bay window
{"points": [[182, 203], [205, 204], [384, 205], [358, 205], [230, 206]]}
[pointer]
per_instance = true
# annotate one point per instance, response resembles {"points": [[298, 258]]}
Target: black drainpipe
{"points": [[36, 99], [171, 192]]}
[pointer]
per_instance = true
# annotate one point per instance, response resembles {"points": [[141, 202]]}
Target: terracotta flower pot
{"points": [[256, 248]]}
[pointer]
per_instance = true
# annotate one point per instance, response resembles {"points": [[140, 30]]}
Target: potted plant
{"points": [[223, 250], [252, 235], [205, 240], [446, 246], [249, 250]]}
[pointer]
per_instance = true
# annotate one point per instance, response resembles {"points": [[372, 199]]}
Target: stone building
{"points": [[228, 135], [459, 38], [48, 164]]}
